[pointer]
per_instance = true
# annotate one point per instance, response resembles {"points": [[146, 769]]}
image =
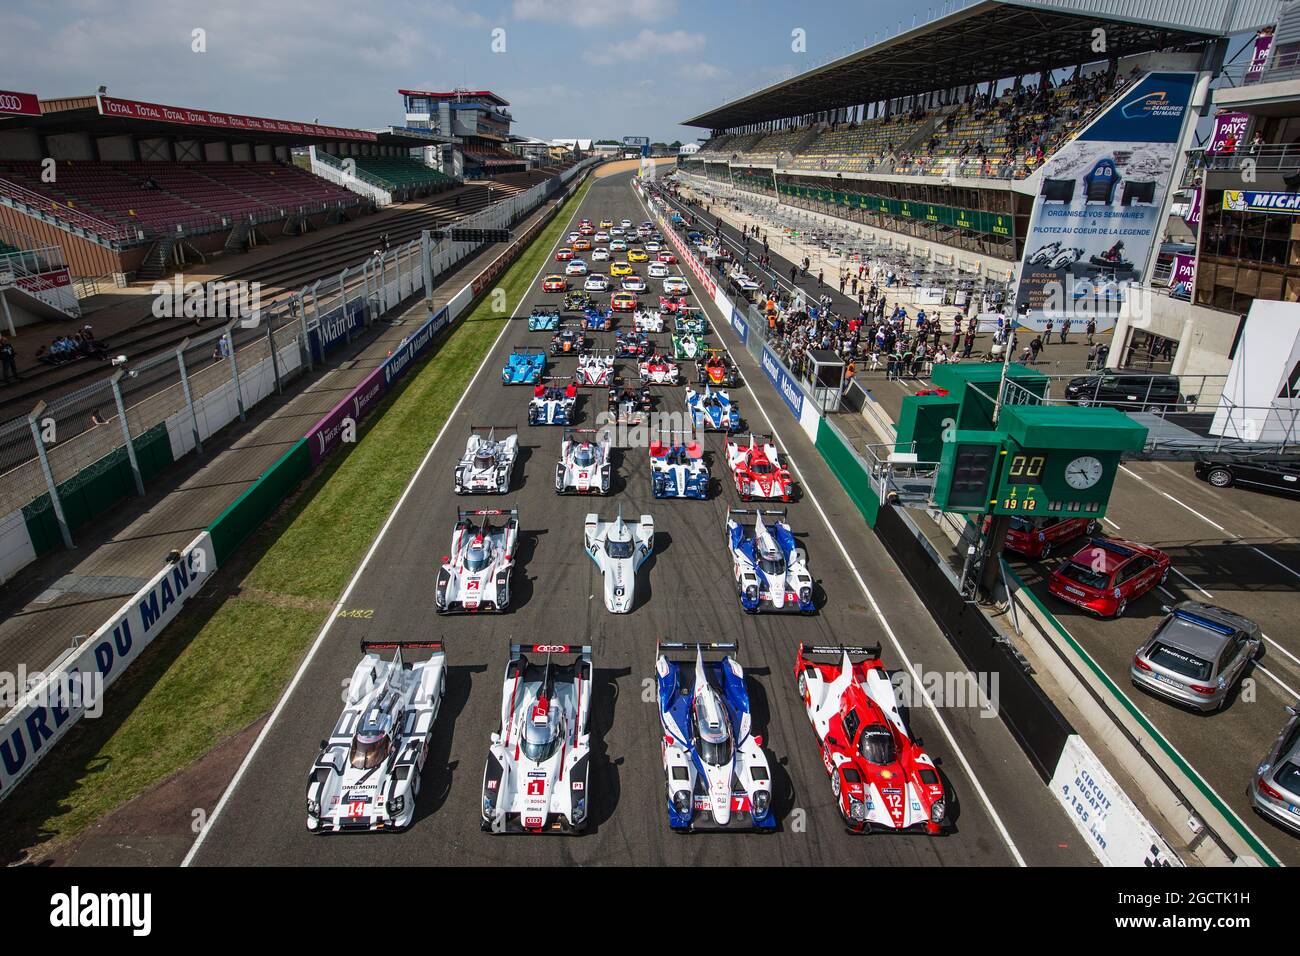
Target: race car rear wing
{"points": [[399, 643], [871, 652], [720, 647], [462, 514], [596, 434], [583, 650], [765, 512], [527, 350], [544, 308], [557, 378], [492, 429]]}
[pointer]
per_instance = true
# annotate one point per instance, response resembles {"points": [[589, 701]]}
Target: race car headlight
{"points": [[936, 811], [313, 807], [751, 592], [682, 800], [580, 810], [857, 809], [805, 595], [395, 806], [762, 800]]}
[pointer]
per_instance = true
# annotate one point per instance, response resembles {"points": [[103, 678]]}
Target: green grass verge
{"points": [[215, 671]]}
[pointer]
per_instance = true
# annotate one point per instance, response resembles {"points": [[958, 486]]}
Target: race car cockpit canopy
{"points": [[712, 730], [876, 744], [543, 729], [485, 457], [478, 555], [584, 455], [371, 742]]}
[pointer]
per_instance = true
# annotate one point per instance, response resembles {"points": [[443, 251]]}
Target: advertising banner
{"points": [[135, 109], [1241, 200], [334, 327], [1182, 277], [1193, 217], [788, 388], [1098, 211], [1229, 132], [19, 104], [1259, 56]]}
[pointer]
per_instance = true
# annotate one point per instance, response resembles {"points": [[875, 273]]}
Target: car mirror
{"points": [[758, 741], [324, 744], [1166, 609], [496, 738]]}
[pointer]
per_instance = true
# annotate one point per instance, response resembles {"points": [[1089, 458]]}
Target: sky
{"points": [[589, 68]]}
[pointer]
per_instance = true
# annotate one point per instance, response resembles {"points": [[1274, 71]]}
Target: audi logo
{"points": [[10, 103]]}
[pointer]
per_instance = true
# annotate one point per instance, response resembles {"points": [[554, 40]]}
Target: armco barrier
{"points": [[259, 500], [848, 469], [59, 699]]}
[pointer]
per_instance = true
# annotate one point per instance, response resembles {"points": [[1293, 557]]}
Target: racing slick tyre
{"points": [[1219, 477], [1046, 552], [803, 685], [1164, 577], [1121, 608]]}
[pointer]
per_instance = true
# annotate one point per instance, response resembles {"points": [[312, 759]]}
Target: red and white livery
{"points": [[757, 470]]}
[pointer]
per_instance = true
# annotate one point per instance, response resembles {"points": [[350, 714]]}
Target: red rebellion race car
{"points": [[757, 469], [555, 284], [1107, 573], [563, 255], [882, 778], [667, 257], [673, 303], [1035, 538]]}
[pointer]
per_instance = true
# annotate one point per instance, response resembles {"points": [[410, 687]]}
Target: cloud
{"points": [[591, 14], [647, 44]]}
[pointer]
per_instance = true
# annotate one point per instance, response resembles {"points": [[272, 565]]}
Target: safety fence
{"points": [[73, 685]]}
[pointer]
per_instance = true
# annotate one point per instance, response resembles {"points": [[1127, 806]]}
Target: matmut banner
{"points": [[158, 113], [19, 104]]}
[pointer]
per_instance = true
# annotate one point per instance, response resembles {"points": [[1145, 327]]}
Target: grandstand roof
{"points": [[109, 115], [487, 95], [409, 137], [991, 40]]}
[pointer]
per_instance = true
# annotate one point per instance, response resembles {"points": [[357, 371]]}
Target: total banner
{"points": [[1099, 210], [158, 113]]}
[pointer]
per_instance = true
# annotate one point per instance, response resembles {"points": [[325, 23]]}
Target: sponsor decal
{"points": [[158, 113], [19, 104], [1238, 200]]}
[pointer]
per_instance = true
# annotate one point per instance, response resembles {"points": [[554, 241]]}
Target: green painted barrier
{"points": [[97, 488], [258, 502], [846, 467]]}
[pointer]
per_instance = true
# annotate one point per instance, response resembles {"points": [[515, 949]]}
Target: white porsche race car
{"points": [[647, 321], [535, 780], [368, 773], [595, 369], [584, 467], [476, 575], [619, 549], [488, 461]]}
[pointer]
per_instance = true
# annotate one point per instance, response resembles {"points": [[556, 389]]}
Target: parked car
{"points": [[1127, 391], [1035, 538], [1273, 475], [1275, 791], [1107, 573], [1197, 655]]}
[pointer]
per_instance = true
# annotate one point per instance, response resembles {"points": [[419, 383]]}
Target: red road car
{"points": [[673, 303], [881, 776], [1035, 538], [1107, 573]]}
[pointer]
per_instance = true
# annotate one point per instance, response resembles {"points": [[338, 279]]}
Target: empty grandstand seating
{"points": [[157, 197], [402, 173]]}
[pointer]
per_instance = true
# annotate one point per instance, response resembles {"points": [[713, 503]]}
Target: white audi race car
{"points": [[619, 549], [595, 369], [770, 568], [368, 773], [488, 461], [716, 772], [535, 780], [584, 466], [476, 575], [646, 320]]}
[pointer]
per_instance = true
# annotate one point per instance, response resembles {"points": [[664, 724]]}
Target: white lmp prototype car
{"points": [[476, 575], [368, 773], [584, 467], [535, 780], [647, 321], [488, 461], [595, 369], [619, 549]]}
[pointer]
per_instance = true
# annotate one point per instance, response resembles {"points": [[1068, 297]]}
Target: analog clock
{"points": [[1084, 472]]}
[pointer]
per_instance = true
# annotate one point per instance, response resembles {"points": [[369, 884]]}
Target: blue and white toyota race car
{"points": [[716, 772], [552, 403], [368, 773], [544, 318], [535, 780], [678, 471], [712, 410], [524, 366], [770, 568]]}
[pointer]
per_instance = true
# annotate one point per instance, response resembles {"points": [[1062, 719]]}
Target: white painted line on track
{"points": [[1276, 680], [365, 562], [1285, 653], [1212, 523], [1286, 568], [884, 622], [1191, 582], [1111, 523]]}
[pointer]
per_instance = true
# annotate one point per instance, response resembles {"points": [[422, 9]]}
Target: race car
{"points": [[658, 270], [524, 366], [620, 269], [632, 344], [600, 254], [576, 301], [618, 245], [555, 283], [653, 245], [770, 568], [596, 282], [691, 323], [658, 369], [568, 341], [582, 244], [647, 320], [712, 410], [606, 223], [595, 369], [597, 319], [602, 236], [667, 257], [637, 255], [577, 267], [882, 778], [367, 775], [630, 406], [678, 471], [687, 346], [476, 575], [623, 302], [488, 461], [535, 780], [757, 470], [676, 285], [544, 318], [553, 404], [584, 467], [563, 255], [626, 223], [716, 773], [673, 303], [717, 369], [619, 550], [632, 284]]}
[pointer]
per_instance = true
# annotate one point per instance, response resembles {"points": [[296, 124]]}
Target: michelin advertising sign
{"points": [[1098, 211]]}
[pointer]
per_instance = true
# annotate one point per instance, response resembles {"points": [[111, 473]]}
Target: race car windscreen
{"points": [[540, 741], [774, 566], [368, 752], [876, 744], [714, 753], [619, 549], [584, 456], [477, 558]]}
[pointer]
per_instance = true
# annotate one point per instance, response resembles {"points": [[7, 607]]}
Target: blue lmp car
{"points": [[678, 471], [716, 772], [713, 410], [596, 319], [544, 318], [524, 366]]}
